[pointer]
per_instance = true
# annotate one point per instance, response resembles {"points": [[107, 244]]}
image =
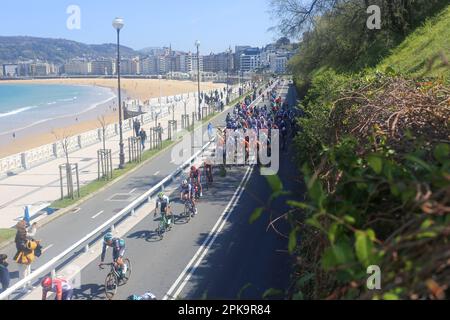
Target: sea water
{"points": [[25, 105]]}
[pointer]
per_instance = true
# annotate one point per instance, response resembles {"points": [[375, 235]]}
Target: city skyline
{"points": [[155, 24]]}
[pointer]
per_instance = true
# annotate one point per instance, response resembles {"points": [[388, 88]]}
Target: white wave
{"points": [[93, 106], [11, 113]]}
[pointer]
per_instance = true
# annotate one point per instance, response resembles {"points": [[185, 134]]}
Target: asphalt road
{"points": [[243, 261], [58, 235]]}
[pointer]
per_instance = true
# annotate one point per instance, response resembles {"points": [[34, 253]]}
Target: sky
{"points": [[148, 23]]}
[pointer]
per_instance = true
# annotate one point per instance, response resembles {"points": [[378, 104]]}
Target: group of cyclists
{"points": [[244, 117], [252, 127]]}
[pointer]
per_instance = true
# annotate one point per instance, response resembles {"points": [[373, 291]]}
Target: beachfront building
{"points": [[218, 62], [237, 56], [148, 65], [35, 69], [77, 67], [10, 70], [102, 68]]}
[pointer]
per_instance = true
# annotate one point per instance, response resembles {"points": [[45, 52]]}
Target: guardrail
{"points": [[108, 225]]}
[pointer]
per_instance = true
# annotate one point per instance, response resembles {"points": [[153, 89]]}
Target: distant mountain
{"points": [[14, 49]]}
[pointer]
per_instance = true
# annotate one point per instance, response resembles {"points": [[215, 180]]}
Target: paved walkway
{"points": [[40, 185]]}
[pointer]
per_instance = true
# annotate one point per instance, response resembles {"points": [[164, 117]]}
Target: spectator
{"points": [[143, 136], [137, 127], [32, 230], [25, 251], [210, 131], [160, 132], [4, 272]]}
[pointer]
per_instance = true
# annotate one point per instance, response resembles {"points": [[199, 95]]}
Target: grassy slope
{"points": [[428, 43]]}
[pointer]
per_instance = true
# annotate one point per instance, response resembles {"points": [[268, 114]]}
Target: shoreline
{"points": [[41, 134]]}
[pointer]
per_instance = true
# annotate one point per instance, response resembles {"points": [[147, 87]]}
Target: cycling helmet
{"points": [[46, 282], [185, 182], [161, 195], [108, 237]]}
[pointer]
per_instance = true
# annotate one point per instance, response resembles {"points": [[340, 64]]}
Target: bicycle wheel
{"points": [[127, 275], [161, 229], [111, 285], [187, 212]]}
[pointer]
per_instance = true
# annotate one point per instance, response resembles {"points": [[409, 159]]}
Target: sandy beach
{"points": [[142, 89]]}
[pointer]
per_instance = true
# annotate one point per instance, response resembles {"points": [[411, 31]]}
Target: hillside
{"points": [[426, 52], [375, 153], [14, 49]]}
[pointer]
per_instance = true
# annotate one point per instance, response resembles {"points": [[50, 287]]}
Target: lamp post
{"points": [[228, 75], [160, 94], [197, 44], [118, 24]]}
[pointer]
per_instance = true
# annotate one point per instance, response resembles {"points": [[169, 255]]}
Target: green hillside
{"points": [[13, 49], [426, 52]]}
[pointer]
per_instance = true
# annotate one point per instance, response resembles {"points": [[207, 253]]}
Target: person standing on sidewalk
{"points": [[4, 272], [143, 136], [160, 132]]}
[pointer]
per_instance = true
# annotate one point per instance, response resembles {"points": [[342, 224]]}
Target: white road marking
{"points": [[132, 191], [47, 248], [187, 272], [156, 173], [98, 214]]}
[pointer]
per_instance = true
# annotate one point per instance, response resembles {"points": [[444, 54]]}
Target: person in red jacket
{"points": [[61, 287]]}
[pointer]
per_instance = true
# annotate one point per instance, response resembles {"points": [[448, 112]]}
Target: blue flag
{"points": [[27, 215]]}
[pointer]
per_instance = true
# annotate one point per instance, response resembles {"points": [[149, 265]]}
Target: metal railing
{"points": [[108, 225]]}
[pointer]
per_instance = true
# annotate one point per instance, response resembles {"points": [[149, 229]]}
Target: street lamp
{"points": [[118, 24], [197, 44], [228, 74], [160, 94]]}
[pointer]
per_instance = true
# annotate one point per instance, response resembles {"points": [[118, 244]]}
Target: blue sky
{"points": [[217, 24]]}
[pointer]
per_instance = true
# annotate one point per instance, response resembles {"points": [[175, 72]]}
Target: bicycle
{"points": [[188, 210], [114, 279], [164, 225]]}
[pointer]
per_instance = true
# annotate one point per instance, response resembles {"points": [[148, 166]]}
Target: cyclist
{"points": [[187, 194], [118, 246], [145, 296], [59, 286], [208, 166], [195, 177], [164, 201]]}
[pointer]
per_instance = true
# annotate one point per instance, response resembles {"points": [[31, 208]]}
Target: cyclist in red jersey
{"points": [[61, 287]]}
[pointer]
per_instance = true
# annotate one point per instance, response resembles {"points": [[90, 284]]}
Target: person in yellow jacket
{"points": [[25, 251]]}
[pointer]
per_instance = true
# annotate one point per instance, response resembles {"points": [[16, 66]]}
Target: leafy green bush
{"points": [[376, 159]]}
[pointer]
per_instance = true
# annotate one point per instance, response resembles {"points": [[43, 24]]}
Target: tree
{"points": [[296, 16], [283, 42]]}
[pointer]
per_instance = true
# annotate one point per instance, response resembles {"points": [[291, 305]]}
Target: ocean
{"points": [[23, 106]]}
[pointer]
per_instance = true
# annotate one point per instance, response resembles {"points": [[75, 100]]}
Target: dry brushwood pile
{"points": [[381, 195], [395, 108]]}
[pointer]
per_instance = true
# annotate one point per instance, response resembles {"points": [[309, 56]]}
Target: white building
{"points": [[148, 66], [77, 67], [10, 70], [281, 64]]}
